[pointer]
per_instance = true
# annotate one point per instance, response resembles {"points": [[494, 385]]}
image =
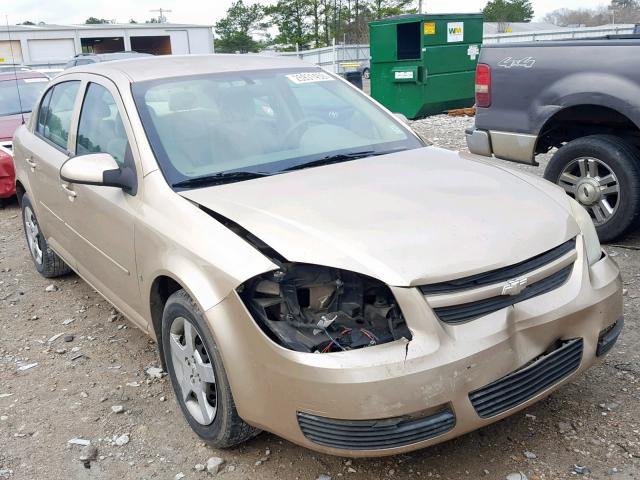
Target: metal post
{"points": [[335, 70]]}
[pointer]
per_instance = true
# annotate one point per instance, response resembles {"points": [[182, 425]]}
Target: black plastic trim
{"points": [[501, 274], [609, 337], [374, 434], [456, 314], [525, 383]]}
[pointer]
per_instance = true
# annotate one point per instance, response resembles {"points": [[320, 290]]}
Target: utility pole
{"points": [[161, 17], [419, 6]]}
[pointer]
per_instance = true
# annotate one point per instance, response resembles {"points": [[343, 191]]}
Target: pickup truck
{"points": [[579, 96]]}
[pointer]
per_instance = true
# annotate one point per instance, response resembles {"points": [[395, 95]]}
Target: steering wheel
{"points": [[308, 121]]}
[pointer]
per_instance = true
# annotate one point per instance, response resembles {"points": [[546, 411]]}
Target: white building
{"points": [[54, 45]]}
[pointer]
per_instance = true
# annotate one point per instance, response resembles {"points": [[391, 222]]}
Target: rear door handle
{"points": [[31, 163], [69, 192]]}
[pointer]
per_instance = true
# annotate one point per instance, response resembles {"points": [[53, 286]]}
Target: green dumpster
{"points": [[425, 64]]}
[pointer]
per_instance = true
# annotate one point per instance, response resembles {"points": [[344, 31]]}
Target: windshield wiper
{"points": [[339, 157], [219, 179]]}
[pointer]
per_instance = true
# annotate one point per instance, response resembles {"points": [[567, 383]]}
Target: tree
{"points": [[237, 28], [623, 4], [132, 21], [95, 21], [27, 22], [507, 11], [293, 22], [565, 17], [387, 8]]}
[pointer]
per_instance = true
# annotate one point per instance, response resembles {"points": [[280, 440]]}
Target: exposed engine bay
{"points": [[310, 308]]}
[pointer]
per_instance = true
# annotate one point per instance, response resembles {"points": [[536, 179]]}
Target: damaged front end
{"points": [[311, 308]]}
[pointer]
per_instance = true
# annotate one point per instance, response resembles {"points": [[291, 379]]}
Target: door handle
{"points": [[69, 192], [31, 163]]}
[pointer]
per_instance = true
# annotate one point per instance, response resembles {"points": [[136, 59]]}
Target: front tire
{"points": [[47, 262], [197, 375], [602, 173]]}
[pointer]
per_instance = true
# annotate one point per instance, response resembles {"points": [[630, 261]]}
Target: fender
{"points": [[601, 89]]}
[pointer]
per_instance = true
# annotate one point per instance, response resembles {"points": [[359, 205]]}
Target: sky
{"points": [[207, 11]]}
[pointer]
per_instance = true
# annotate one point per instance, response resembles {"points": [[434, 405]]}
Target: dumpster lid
{"points": [[414, 17]]}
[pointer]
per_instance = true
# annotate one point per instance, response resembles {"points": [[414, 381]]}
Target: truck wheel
{"points": [[198, 376], [47, 262], [602, 173]]}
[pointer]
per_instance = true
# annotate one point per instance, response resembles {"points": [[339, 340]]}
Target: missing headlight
{"points": [[310, 308]]}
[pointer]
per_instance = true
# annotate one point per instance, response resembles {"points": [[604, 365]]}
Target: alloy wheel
{"points": [[194, 371], [592, 183], [32, 231]]}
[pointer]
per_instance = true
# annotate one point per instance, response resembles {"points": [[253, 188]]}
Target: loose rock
{"points": [[51, 288], [214, 464], [88, 453], [530, 455], [581, 470], [117, 409], [122, 439], [516, 476], [155, 372]]}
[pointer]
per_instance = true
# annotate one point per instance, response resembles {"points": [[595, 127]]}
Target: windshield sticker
{"points": [[309, 77], [35, 80]]}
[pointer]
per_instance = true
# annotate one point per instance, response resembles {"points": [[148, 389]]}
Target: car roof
{"points": [[167, 66], [20, 75], [113, 55]]}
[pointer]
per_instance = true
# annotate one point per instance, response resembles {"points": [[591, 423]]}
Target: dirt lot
{"points": [[100, 361]]}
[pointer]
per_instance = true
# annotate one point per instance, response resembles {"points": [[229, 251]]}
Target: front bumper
{"points": [[404, 384], [517, 147]]}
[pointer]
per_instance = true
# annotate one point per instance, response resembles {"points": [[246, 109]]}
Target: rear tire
{"points": [[197, 375], [47, 262], [602, 173]]}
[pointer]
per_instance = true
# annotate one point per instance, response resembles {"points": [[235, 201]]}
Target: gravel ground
{"points": [[92, 383]]}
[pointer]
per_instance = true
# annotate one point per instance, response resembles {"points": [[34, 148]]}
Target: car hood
{"points": [[408, 218]]}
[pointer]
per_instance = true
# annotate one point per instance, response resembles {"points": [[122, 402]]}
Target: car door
{"points": [[102, 218], [45, 152]]}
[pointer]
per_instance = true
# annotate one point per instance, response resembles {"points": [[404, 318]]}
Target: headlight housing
{"points": [[311, 308], [591, 241]]}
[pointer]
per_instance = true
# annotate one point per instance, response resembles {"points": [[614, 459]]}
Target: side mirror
{"points": [[98, 169]]}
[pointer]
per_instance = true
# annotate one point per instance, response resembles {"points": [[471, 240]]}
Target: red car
{"points": [[18, 92]]}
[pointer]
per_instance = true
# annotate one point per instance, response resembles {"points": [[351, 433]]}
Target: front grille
{"points": [[374, 434], [501, 274], [526, 383], [456, 314]]}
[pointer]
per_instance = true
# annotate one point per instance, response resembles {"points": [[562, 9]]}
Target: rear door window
{"points": [[59, 111]]}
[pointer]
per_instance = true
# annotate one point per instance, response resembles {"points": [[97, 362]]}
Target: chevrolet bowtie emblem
{"points": [[515, 286]]}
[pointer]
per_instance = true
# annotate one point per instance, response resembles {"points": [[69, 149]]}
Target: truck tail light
{"points": [[483, 85]]}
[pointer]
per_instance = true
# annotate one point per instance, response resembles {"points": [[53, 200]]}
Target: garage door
{"points": [[58, 50], [5, 52]]}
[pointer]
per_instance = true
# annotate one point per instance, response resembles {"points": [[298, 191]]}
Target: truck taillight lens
{"points": [[483, 85]]}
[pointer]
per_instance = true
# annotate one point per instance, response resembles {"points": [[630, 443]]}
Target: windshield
{"points": [[30, 90], [261, 122]]}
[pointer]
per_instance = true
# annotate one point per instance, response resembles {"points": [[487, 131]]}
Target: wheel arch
{"points": [[162, 287], [582, 120], [20, 191]]}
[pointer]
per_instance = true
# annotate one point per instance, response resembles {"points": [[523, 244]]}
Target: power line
{"points": [[161, 11]]}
